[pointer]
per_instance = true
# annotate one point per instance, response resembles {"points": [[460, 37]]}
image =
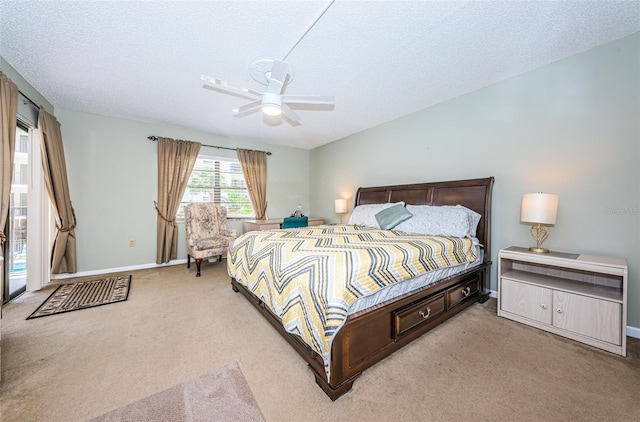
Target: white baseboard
{"points": [[633, 331], [117, 270]]}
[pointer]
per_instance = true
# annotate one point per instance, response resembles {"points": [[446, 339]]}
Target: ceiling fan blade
{"points": [[219, 85], [278, 78], [225, 84], [308, 99], [231, 91], [242, 110], [289, 114]]}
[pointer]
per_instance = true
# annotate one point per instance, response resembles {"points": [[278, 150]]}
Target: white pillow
{"points": [[432, 220], [474, 219], [365, 215]]}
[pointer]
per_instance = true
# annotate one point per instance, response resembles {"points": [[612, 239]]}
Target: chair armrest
{"points": [[233, 233]]}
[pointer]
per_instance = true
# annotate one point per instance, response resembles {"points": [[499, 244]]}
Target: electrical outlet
{"points": [[132, 243]]}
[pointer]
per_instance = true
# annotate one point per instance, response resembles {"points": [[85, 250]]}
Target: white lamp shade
{"points": [[539, 208], [341, 206]]}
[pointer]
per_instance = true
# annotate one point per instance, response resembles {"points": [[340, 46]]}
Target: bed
{"points": [[360, 333]]}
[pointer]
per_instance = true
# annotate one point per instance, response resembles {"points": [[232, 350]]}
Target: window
{"points": [[218, 180]]}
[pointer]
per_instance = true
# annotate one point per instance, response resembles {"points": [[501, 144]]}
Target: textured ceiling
{"points": [[143, 60]]}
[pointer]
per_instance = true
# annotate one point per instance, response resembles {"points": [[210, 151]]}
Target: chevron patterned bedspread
{"points": [[310, 276]]}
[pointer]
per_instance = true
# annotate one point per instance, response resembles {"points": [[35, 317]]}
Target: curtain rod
{"points": [[29, 101], [155, 138]]}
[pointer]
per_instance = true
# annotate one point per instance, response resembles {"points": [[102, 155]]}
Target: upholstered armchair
{"points": [[207, 234]]}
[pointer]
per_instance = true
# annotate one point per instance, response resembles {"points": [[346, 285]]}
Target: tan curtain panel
{"points": [[176, 159], [254, 168], [8, 119], [8, 116], [54, 165]]}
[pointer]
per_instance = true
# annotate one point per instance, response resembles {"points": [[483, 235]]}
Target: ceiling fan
{"points": [[276, 75]]}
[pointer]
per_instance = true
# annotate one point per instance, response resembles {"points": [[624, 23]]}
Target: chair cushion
{"points": [[216, 242]]}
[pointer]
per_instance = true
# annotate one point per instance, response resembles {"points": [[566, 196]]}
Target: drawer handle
{"points": [[427, 315], [466, 292], [559, 310], [543, 306]]}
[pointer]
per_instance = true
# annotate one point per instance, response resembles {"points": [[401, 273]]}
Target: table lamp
{"points": [[340, 207], [539, 209]]}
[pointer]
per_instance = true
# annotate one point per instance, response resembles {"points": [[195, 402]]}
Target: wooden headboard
{"points": [[474, 194]]}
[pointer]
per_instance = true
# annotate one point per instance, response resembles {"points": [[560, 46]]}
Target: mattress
{"points": [[409, 286]]}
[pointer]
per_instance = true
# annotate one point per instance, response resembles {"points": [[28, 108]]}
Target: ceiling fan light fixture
{"points": [[271, 104]]}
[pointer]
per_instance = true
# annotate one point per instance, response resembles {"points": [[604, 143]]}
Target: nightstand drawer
{"points": [[418, 313]]}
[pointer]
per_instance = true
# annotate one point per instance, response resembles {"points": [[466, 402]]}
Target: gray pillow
{"points": [[390, 217], [437, 220]]}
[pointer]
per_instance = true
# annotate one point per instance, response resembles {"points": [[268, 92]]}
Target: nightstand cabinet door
{"points": [[528, 301], [588, 316]]}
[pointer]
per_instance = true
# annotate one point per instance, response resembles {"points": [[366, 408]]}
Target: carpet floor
{"points": [[175, 327], [222, 395]]}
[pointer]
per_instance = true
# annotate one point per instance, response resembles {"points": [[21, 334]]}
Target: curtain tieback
{"points": [[3, 238], [172, 222], [68, 229]]}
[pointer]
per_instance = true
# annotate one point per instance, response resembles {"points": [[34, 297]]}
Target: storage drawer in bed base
{"points": [[463, 291], [431, 307], [418, 313]]}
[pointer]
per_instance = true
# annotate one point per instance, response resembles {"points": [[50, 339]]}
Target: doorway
{"points": [[15, 247]]}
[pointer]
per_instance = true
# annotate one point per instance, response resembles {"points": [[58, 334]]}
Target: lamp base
{"points": [[540, 234], [539, 250]]}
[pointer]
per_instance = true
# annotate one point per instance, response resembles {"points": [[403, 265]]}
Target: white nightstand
{"points": [[581, 297]]}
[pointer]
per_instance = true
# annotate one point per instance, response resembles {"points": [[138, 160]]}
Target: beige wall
{"points": [[112, 171], [570, 128]]}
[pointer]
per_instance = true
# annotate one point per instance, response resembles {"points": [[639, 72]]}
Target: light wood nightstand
{"points": [[581, 297]]}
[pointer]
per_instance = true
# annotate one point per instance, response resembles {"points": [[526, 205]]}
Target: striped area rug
{"points": [[84, 294]]}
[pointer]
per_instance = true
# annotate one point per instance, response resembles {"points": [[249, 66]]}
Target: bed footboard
{"points": [[371, 335]]}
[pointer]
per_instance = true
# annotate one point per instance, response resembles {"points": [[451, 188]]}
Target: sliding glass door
{"points": [[15, 248]]}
